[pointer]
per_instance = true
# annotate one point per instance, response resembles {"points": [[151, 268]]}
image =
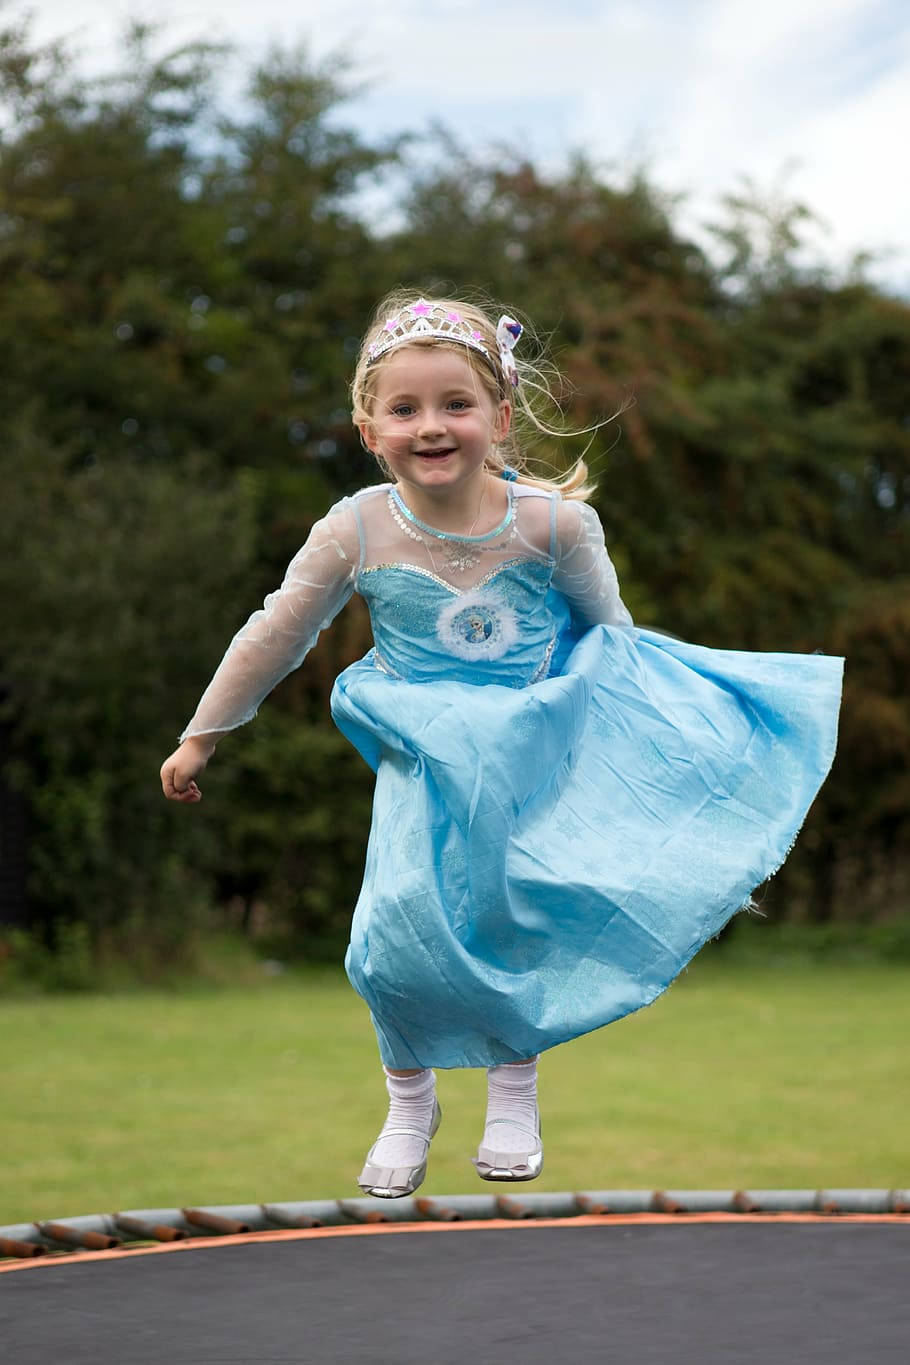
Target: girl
{"points": [[566, 808]]}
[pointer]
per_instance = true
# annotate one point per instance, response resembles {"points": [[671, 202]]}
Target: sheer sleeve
{"points": [[584, 572], [275, 640]]}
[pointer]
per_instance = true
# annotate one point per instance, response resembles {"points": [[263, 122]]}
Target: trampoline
{"points": [[670, 1278]]}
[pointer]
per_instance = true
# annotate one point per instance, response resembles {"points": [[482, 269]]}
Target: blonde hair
{"points": [[534, 383]]}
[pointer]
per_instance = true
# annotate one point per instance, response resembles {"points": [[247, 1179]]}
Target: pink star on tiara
{"points": [[421, 308]]}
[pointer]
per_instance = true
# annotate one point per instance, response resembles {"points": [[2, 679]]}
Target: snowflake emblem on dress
{"points": [[603, 726], [570, 827], [477, 626], [526, 723], [453, 863]]}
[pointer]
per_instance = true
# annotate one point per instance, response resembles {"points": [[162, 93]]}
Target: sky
{"points": [[809, 99]]}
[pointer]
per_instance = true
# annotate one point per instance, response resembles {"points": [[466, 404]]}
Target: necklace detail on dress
{"points": [[461, 552]]}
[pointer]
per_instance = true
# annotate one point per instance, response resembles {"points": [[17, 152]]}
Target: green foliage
{"points": [[181, 295], [103, 643], [153, 344], [62, 961], [292, 808], [752, 941]]}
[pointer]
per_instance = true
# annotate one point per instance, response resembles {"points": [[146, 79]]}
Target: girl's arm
{"points": [[584, 572], [274, 641]]}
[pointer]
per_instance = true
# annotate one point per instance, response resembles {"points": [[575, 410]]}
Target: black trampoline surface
{"points": [[815, 1293]]}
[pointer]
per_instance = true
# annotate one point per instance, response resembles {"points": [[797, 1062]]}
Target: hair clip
{"points": [[507, 333]]}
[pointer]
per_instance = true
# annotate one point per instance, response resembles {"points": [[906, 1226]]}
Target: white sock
{"points": [[512, 1095], [411, 1101]]}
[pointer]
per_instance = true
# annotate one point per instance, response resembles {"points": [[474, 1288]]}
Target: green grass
{"points": [[789, 1074]]}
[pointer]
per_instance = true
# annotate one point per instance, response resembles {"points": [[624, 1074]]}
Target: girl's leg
{"points": [[512, 1100], [412, 1102], [512, 1125]]}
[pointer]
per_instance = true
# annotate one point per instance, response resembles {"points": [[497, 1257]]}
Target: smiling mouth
{"points": [[434, 454]]}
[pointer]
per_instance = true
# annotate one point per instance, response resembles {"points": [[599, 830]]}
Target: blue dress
{"points": [[554, 836], [566, 807]]}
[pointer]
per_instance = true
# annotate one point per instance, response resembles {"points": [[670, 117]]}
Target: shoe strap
{"points": [[403, 1132]]}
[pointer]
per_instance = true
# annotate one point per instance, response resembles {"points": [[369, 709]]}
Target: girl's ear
{"points": [[368, 436], [503, 420]]}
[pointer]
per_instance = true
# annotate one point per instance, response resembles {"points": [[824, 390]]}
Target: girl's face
{"points": [[433, 422]]}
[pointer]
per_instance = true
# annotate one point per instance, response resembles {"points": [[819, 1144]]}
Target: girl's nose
{"points": [[430, 424]]}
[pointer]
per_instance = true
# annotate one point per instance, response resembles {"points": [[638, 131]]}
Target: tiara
{"points": [[423, 319]]}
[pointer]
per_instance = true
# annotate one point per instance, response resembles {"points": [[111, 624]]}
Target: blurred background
{"points": [[698, 205]]}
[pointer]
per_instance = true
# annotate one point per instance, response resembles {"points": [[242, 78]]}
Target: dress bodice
{"points": [[502, 630], [495, 607]]}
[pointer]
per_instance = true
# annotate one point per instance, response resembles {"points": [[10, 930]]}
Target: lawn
{"points": [[792, 1074]]}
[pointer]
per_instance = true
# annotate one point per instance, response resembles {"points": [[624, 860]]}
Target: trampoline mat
{"points": [[814, 1293]]}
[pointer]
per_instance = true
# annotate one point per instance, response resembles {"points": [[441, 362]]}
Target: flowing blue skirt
{"points": [[545, 860]]}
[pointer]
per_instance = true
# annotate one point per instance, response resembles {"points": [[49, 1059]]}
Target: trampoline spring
{"points": [[744, 1203], [586, 1204], [149, 1232], [91, 1241], [512, 1208], [215, 1222], [275, 1214], [440, 1213], [9, 1246], [358, 1211], [661, 1202]]}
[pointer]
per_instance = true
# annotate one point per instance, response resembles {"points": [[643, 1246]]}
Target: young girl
{"points": [[566, 807]]}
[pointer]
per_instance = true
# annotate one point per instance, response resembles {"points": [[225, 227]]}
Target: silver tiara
{"points": [[423, 319]]}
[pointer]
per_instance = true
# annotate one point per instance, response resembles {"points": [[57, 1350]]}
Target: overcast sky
{"points": [[812, 96]]}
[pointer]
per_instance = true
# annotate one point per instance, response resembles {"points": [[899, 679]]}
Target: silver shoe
{"points": [[495, 1165], [394, 1182]]}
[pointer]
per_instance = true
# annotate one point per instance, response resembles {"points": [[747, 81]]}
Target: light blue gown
{"points": [[546, 856], [564, 812]]}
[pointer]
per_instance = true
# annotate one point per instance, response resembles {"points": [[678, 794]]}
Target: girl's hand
{"points": [[185, 764]]}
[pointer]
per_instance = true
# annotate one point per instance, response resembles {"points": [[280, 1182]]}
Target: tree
{"points": [[181, 296], [160, 353]]}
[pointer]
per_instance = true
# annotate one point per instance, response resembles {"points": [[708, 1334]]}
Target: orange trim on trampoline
{"points": [[468, 1225]]}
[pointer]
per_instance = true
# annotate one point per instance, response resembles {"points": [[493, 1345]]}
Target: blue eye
{"points": [[402, 410], [459, 403]]}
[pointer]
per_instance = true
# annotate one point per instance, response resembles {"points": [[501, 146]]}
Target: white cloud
{"points": [[816, 88], [708, 90]]}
